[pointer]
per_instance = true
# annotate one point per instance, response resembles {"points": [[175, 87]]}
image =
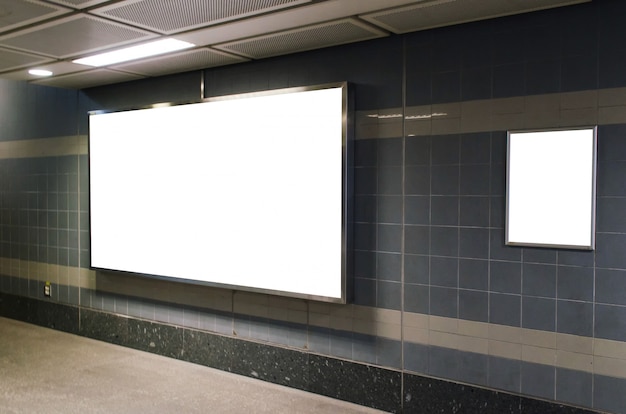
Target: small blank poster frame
{"points": [[551, 188]]}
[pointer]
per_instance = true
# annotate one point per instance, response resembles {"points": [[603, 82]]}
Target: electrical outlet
{"points": [[47, 289]]}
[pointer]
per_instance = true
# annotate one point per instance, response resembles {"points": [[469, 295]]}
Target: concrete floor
{"points": [[46, 371]]}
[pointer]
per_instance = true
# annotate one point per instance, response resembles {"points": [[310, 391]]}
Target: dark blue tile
{"points": [[388, 266], [364, 236], [611, 143], [611, 214], [390, 152], [476, 83], [416, 269], [474, 243], [474, 274], [476, 148], [365, 264], [319, 340], [539, 313], [443, 362], [365, 208], [505, 374], [445, 179], [474, 305], [417, 209], [509, 80], [446, 53], [365, 152], [389, 295], [497, 213], [543, 77], [542, 42], [575, 283], [505, 277], [538, 380], [389, 238], [609, 179], [611, 65], [444, 301], [576, 258], [446, 87], [417, 150], [364, 292], [364, 348], [539, 255], [610, 286], [477, 48], [473, 368], [497, 179], [444, 241], [417, 239], [388, 352], [574, 318], [365, 180], [475, 179], [474, 211], [444, 271], [610, 322], [539, 280], [498, 153], [417, 180], [579, 73], [416, 357], [609, 250], [505, 309], [573, 387], [608, 394], [389, 209], [416, 298], [508, 46], [444, 210], [499, 251], [418, 88], [389, 180], [341, 344]]}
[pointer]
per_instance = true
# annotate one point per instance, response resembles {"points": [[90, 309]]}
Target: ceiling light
{"points": [[40, 72], [134, 52]]}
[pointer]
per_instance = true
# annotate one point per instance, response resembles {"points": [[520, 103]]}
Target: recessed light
{"points": [[40, 72], [134, 52]]}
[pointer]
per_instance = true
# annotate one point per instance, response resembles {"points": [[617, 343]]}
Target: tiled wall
{"points": [[436, 291]]}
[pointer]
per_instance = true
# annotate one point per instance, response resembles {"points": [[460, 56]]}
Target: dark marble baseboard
{"points": [[376, 387], [430, 395]]}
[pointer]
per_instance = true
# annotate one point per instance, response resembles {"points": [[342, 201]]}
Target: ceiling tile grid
{"points": [[306, 38], [10, 59], [74, 35], [17, 13], [436, 13], [51, 34], [180, 62], [167, 16]]}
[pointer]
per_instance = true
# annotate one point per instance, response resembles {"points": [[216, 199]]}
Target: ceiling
{"points": [[50, 34]]}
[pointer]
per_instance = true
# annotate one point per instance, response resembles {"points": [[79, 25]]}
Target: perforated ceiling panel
{"points": [[15, 13], [306, 38], [427, 14], [180, 62], [74, 35], [88, 79], [10, 60], [78, 4], [168, 16]]}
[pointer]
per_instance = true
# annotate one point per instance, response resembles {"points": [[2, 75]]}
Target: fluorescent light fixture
{"points": [[158, 47], [40, 72]]}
